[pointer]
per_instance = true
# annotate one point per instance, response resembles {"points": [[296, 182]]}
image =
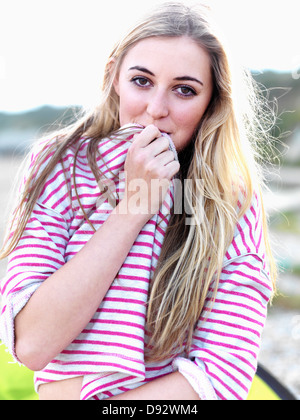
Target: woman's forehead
{"points": [[179, 54]]}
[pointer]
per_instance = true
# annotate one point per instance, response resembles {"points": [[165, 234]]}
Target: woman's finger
{"points": [[146, 136]]}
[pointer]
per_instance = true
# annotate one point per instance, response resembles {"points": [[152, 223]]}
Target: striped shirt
{"points": [[109, 352]]}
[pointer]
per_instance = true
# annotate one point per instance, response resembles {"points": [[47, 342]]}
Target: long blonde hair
{"points": [[222, 154]]}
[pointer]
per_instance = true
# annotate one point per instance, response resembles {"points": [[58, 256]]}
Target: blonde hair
{"points": [[222, 154]]}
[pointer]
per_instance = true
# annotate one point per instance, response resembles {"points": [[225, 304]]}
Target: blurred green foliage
{"points": [[16, 381], [287, 222]]}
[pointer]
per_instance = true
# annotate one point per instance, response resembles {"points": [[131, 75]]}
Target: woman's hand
{"points": [[149, 168]]}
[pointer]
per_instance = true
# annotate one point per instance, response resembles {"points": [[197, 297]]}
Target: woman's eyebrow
{"points": [[143, 69], [182, 78], [192, 79]]}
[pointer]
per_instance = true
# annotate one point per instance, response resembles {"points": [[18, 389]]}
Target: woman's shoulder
{"points": [[43, 150], [57, 165], [249, 233]]}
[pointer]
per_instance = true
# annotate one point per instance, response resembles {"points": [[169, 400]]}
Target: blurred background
{"points": [[52, 55]]}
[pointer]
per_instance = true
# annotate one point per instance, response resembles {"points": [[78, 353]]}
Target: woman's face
{"points": [[166, 82]]}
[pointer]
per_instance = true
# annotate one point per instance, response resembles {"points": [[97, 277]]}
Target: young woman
{"points": [[137, 271]]}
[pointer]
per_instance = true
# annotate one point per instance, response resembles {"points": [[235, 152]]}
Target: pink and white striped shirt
{"points": [[109, 353]]}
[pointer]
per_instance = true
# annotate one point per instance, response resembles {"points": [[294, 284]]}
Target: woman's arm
{"points": [[65, 302], [170, 387]]}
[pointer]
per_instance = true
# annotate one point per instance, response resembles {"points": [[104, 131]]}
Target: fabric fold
{"points": [[113, 341]]}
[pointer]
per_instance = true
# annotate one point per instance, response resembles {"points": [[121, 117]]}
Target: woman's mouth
{"points": [[143, 127]]}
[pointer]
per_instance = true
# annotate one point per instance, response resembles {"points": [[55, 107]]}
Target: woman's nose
{"points": [[158, 106]]}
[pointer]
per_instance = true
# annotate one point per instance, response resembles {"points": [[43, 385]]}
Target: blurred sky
{"points": [[53, 51]]}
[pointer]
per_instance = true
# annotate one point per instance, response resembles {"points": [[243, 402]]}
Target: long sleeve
{"points": [[39, 253], [227, 339]]}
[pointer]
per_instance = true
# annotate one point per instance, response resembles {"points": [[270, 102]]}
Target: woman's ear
{"points": [[114, 75]]}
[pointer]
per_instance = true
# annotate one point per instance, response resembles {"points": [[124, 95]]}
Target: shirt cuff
{"points": [[11, 307], [196, 377]]}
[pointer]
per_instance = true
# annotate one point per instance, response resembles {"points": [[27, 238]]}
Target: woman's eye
{"points": [[183, 91], [186, 91], [141, 81]]}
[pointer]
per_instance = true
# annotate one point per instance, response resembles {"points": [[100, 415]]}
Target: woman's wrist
{"points": [[133, 215]]}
